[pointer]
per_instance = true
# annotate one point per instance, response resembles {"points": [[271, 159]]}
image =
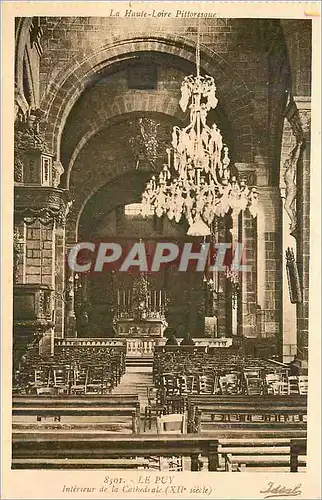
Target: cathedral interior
{"points": [[96, 101]]}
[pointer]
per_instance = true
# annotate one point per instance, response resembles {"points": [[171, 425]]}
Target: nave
{"points": [[187, 409]]}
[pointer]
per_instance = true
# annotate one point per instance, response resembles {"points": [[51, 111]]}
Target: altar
{"points": [[140, 311], [130, 327]]}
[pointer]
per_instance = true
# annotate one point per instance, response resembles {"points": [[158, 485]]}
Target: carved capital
{"points": [[248, 172], [305, 120], [21, 105], [298, 114]]}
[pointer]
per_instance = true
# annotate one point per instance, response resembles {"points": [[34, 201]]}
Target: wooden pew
{"points": [[238, 455], [80, 463], [57, 450], [298, 447], [245, 407], [76, 406]]}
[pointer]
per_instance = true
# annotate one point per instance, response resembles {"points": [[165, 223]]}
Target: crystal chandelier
{"points": [[197, 182]]}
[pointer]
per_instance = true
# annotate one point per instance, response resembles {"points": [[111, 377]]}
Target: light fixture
{"points": [[198, 181]]}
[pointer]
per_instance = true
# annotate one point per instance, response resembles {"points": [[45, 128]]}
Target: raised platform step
{"points": [[139, 361]]}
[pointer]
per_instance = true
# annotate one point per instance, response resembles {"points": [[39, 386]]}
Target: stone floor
{"points": [[136, 380]]}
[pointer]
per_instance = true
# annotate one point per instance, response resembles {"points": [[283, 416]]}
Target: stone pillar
{"points": [[223, 300], [290, 152], [247, 236], [270, 280], [248, 299], [295, 181], [70, 317], [60, 280], [302, 116]]}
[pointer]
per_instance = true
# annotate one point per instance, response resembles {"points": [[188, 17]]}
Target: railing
{"points": [[218, 342], [139, 347], [77, 342]]}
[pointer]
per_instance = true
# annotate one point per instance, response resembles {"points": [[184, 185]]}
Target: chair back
{"points": [[254, 386], [293, 385], [170, 384], [303, 385], [206, 384], [175, 423]]}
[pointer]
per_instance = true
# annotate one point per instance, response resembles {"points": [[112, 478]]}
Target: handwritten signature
{"points": [[278, 490]]}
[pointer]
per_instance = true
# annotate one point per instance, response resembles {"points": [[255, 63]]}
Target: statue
{"points": [[27, 139], [290, 167], [58, 170]]}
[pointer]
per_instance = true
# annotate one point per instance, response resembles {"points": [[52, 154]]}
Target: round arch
{"points": [[72, 81]]}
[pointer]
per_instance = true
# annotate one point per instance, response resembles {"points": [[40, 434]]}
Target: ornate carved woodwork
{"points": [[45, 204]]}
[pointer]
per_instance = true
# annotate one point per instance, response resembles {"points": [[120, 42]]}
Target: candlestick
{"points": [[169, 157]]}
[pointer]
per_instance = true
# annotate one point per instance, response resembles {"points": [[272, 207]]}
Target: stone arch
{"points": [[297, 36], [76, 212], [22, 33], [70, 83], [21, 37], [125, 104]]}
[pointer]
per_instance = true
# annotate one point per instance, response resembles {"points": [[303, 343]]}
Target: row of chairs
{"points": [[187, 363], [66, 379], [82, 370], [247, 383]]}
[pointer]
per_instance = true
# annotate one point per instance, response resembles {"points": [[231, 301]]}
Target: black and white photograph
{"points": [[161, 250]]}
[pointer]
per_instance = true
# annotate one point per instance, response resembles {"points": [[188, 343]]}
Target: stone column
{"points": [[223, 300], [290, 152], [70, 317], [60, 280], [234, 302], [302, 116], [295, 176], [247, 236], [269, 283], [289, 309], [248, 279]]}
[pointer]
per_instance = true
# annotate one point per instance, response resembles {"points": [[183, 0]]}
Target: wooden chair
{"points": [[61, 380], [39, 378], [232, 383], [282, 388], [254, 386], [155, 404], [79, 384], [95, 383], [271, 379], [170, 384], [293, 385], [206, 384], [186, 384], [303, 385], [172, 424]]}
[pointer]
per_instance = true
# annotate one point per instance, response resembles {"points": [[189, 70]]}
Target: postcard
{"points": [[161, 250]]}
